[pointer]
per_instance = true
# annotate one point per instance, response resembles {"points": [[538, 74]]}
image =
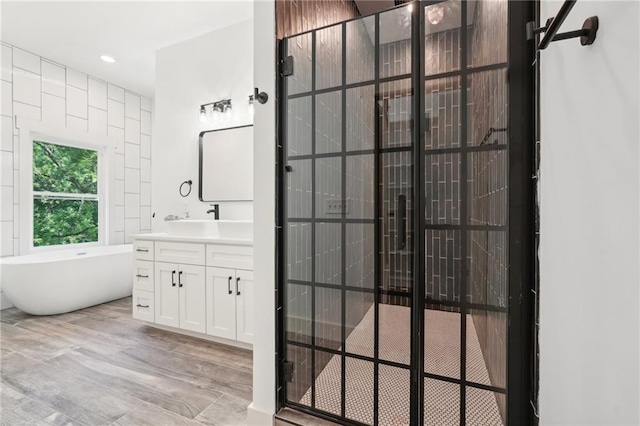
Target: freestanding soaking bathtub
{"points": [[61, 281]]}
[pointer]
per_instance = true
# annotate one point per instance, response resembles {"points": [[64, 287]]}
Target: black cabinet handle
{"points": [[143, 250], [142, 276], [237, 288], [180, 279], [229, 285], [173, 278], [401, 221], [142, 306]]}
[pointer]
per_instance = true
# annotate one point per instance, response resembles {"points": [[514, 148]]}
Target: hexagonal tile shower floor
{"points": [[442, 357]]}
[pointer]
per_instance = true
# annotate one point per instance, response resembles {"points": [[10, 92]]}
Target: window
{"points": [[65, 195]]}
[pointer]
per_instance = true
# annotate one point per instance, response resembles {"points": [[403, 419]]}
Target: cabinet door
{"points": [[166, 294], [191, 284], [244, 306], [221, 303]]}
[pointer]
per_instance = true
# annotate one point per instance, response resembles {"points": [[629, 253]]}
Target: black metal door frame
{"points": [[520, 225]]}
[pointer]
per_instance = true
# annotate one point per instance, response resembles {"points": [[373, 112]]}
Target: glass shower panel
{"points": [[396, 218], [395, 114], [328, 122], [395, 42], [299, 48], [361, 118], [442, 45], [442, 120], [441, 403], [488, 108], [361, 38], [328, 60]]}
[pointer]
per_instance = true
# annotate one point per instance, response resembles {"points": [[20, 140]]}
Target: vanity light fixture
{"points": [[222, 106], [107, 58], [218, 106]]}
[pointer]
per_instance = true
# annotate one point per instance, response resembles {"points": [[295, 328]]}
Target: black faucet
{"points": [[215, 210]]}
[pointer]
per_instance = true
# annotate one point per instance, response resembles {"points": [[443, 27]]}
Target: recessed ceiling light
{"points": [[107, 59]]}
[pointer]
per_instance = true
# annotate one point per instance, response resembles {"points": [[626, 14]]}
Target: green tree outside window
{"points": [[65, 194]]}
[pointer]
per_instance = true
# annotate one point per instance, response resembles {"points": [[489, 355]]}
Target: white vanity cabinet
{"points": [[202, 287], [230, 304], [180, 296]]}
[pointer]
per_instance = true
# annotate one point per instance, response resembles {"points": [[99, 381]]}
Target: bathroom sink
{"points": [[223, 229]]}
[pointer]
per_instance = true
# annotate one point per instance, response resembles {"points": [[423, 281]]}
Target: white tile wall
{"points": [[53, 79], [6, 94], [132, 130], [77, 102], [116, 93], [6, 144], [132, 106], [36, 88], [26, 61], [6, 73], [97, 121], [53, 110], [115, 113], [76, 79], [97, 94], [26, 87]]}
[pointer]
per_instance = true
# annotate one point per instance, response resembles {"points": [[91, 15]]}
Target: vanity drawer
{"points": [[143, 250], [186, 253], [143, 275], [143, 306], [229, 256]]}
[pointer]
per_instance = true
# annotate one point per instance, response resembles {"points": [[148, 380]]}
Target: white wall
{"points": [[214, 66], [264, 154], [589, 186], [35, 88]]}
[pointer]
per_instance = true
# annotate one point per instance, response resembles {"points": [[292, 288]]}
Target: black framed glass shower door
{"points": [[394, 237], [348, 222]]}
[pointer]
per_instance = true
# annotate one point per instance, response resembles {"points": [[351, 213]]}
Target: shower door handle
{"points": [[229, 285], [173, 278], [401, 222]]}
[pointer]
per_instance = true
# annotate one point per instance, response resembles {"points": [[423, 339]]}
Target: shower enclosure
{"points": [[404, 217]]}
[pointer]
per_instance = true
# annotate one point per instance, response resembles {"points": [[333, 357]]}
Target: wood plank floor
{"points": [[99, 366]]}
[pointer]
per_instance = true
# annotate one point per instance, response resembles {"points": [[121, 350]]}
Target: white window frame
{"points": [[31, 131]]}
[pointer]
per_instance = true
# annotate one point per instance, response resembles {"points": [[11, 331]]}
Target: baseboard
{"points": [[202, 336], [4, 301], [257, 417]]}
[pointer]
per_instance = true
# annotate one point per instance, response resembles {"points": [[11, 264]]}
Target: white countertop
{"points": [[204, 240]]}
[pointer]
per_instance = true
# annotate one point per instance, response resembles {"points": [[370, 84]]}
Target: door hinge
{"points": [[286, 66], [287, 371]]}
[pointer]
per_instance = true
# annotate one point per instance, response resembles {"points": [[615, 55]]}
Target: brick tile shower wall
{"points": [[488, 187]]}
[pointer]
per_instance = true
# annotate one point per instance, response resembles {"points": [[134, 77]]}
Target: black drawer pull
{"points": [[173, 278], [142, 306], [142, 276], [143, 250], [237, 288], [229, 285], [180, 279]]}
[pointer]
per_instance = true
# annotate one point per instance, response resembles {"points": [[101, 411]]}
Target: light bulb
{"points": [[410, 7], [435, 14], [203, 113]]}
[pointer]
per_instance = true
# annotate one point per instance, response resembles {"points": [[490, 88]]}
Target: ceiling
{"points": [[77, 33]]}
